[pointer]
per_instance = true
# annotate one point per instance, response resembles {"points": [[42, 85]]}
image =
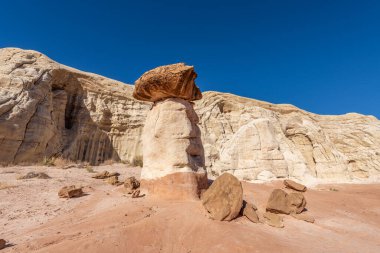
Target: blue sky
{"points": [[322, 56]]}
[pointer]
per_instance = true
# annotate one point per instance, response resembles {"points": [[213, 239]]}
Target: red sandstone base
{"points": [[177, 186]]}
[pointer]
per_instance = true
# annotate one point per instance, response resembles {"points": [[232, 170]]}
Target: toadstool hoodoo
{"points": [[173, 155]]}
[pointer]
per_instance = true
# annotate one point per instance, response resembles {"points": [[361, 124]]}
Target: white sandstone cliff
{"points": [[48, 109]]}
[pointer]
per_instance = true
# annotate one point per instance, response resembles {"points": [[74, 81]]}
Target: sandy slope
{"points": [[34, 219]]}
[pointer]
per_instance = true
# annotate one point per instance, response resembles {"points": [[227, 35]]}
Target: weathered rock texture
{"points": [[224, 199], [250, 211], [176, 80], [131, 184], [281, 202], [172, 145], [256, 140], [171, 140], [70, 192], [47, 109]]}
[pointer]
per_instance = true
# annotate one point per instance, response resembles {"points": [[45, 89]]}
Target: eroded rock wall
{"points": [[47, 109], [255, 140]]}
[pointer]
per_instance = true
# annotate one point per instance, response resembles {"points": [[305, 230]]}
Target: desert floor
{"points": [[105, 219]]}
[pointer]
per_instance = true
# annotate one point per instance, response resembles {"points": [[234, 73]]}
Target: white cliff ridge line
{"points": [[48, 109]]}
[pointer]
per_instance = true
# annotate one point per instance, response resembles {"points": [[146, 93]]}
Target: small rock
{"points": [[224, 199], [40, 175], [295, 186], [131, 184], [277, 202], [68, 166], [105, 174], [249, 211], [304, 217], [70, 192], [114, 180], [273, 220], [43, 175], [136, 194], [2, 244]]}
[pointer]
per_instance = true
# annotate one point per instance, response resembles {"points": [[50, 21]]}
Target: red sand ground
{"points": [[34, 219]]}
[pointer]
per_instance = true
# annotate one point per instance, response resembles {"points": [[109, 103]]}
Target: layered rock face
{"points": [[47, 109], [172, 145], [171, 139], [255, 140]]}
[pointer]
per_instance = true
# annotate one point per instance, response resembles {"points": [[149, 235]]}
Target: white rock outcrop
{"points": [[171, 140], [47, 109], [255, 140], [173, 155]]}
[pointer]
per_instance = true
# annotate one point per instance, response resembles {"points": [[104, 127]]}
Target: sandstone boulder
{"points": [[70, 192], [131, 184], [224, 199], [170, 81], [296, 202], [281, 202], [294, 185], [273, 220], [249, 211], [278, 202], [2, 244]]}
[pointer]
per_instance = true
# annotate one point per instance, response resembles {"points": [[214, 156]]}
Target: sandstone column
{"points": [[173, 156]]}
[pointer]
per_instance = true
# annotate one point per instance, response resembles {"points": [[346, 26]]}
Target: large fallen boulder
{"points": [[224, 198], [296, 202], [281, 202], [277, 202]]}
